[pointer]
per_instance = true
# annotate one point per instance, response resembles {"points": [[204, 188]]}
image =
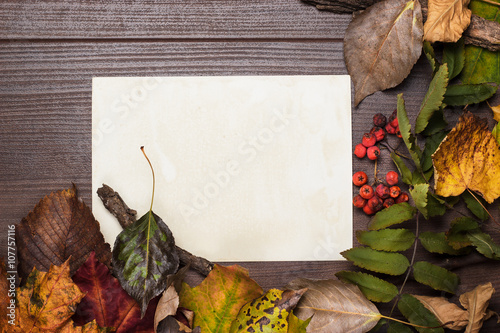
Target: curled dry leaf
{"points": [[445, 311], [446, 20], [468, 159], [382, 44]]}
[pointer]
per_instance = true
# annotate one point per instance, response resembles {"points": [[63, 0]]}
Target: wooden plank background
{"points": [[50, 50]]}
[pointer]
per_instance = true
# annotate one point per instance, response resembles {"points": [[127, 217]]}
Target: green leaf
{"points": [[496, 132], [217, 300], [431, 56], [435, 277], [454, 56], [435, 242], [464, 94], [405, 129], [457, 235], [417, 178], [395, 327], [474, 206], [403, 169], [435, 205], [419, 194], [437, 123], [484, 244], [391, 240], [295, 325], [431, 144], [375, 289], [433, 98], [144, 255], [392, 215], [418, 314], [377, 261]]}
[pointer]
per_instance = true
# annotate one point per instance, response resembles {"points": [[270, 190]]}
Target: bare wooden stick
{"points": [[480, 32], [126, 216]]}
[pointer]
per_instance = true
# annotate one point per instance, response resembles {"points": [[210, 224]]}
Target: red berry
{"points": [[395, 122], [395, 191], [392, 178], [375, 203], [379, 120], [378, 132], [366, 191], [382, 191], [369, 140], [358, 201], [359, 178], [368, 210], [398, 133], [360, 151], [388, 202], [403, 197], [373, 153], [389, 129]]}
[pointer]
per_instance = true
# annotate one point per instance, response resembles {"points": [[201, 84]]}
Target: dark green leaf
{"points": [[417, 178], [391, 240], [457, 235], [436, 243], [454, 56], [433, 98], [431, 56], [375, 289], [377, 261], [435, 205], [405, 129], [484, 244], [418, 314], [419, 194], [431, 144], [144, 255], [474, 206], [403, 169], [437, 123], [395, 327], [395, 214], [435, 277], [464, 94]]}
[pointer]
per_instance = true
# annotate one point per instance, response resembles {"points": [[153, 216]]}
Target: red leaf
{"points": [[107, 302]]}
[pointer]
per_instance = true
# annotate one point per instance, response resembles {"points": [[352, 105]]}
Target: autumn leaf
{"points": [[5, 299], [59, 227], [468, 159], [47, 300], [91, 327], [334, 306], [218, 299], [445, 311], [106, 301], [446, 20], [418, 314], [167, 305], [384, 57], [496, 112]]}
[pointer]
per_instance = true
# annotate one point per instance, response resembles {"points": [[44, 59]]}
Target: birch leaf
{"points": [[384, 57], [446, 20]]}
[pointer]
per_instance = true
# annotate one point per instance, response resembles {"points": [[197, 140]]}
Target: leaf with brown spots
{"points": [[59, 227], [468, 159]]}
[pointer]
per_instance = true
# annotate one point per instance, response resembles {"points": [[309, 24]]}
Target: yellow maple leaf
{"points": [[446, 20], [468, 159]]}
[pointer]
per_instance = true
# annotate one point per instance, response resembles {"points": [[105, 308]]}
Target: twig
{"points": [[126, 216]]}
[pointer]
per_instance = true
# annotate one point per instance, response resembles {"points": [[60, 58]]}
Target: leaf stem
{"points": [[153, 172], [491, 2]]}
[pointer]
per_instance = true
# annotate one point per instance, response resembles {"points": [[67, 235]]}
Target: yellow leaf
{"points": [[496, 112], [468, 159], [446, 20]]}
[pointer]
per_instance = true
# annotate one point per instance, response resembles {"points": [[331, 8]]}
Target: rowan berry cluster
{"points": [[371, 199], [381, 127]]}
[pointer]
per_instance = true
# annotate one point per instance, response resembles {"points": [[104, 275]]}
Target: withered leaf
{"points": [[167, 306], [496, 112], [382, 44], [91, 327], [445, 311], [59, 227], [476, 302], [468, 159], [446, 20]]}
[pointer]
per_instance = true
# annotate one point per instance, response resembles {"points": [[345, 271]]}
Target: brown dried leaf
{"points": [[446, 20], [476, 302], [445, 311], [382, 44], [167, 306], [59, 227]]}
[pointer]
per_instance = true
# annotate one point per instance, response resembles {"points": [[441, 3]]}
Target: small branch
{"points": [[126, 216]]}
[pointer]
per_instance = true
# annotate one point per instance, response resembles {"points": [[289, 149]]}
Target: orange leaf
{"points": [[468, 159]]}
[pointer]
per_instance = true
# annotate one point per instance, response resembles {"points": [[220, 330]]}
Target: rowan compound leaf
{"points": [[445, 311], [296, 325], [405, 129], [335, 306], [375, 289], [436, 277], [47, 300], [468, 159], [436, 243], [144, 255], [464, 94], [391, 240], [377, 261], [392, 215], [418, 314], [484, 244], [476, 302], [59, 227], [384, 57], [218, 299], [446, 20], [433, 98], [454, 56]]}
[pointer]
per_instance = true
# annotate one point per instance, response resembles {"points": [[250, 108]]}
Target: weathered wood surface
{"points": [[49, 52]]}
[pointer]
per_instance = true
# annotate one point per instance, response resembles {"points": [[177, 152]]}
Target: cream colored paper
{"points": [[247, 168]]}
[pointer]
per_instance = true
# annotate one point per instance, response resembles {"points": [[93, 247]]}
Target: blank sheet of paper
{"points": [[247, 168]]}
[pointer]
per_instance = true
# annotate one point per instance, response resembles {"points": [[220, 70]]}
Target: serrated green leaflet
{"points": [[433, 98], [435, 277], [436, 243], [437, 122], [418, 314], [419, 194], [377, 261], [474, 206], [391, 240], [431, 56], [484, 244], [464, 94], [435, 205], [454, 56], [405, 129], [403, 169], [395, 214], [375, 289], [431, 144], [457, 235]]}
